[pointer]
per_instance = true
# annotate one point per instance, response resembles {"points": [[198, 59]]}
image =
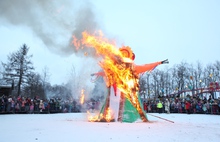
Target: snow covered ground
{"points": [[74, 127]]}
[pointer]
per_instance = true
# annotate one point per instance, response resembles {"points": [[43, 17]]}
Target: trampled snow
{"points": [[74, 127]]}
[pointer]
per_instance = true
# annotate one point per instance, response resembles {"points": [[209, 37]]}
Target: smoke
{"points": [[54, 22]]}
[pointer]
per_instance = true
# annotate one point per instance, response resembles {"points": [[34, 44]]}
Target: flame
{"points": [[108, 116], [117, 65], [101, 117], [82, 97]]}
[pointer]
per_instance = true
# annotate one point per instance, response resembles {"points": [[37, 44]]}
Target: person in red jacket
{"points": [[187, 105]]}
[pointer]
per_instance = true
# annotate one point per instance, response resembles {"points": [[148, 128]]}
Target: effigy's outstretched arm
{"points": [[148, 67], [98, 74]]}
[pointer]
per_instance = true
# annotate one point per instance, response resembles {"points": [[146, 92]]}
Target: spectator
{"points": [[208, 107], [167, 106], [23, 104], [179, 106], [17, 106], [159, 107], [199, 106], [46, 106], [9, 104], [219, 105], [12, 105], [149, 107], [187, 107], [176, 107], [204, 107], [172, 106], [145, 106], [193, 106], [41, 106], [183, 105], [27, 106], [2, 104], [36, 104], [214, 107], [31, 107]]}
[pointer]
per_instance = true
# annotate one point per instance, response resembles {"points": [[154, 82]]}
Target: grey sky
{"points": [[155, 30]]}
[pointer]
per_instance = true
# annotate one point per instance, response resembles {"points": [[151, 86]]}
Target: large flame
{"points": [[82, 97], [101, 117], [117, 65]]}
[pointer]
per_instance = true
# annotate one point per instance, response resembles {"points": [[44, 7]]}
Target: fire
{"points": [[101, 117], [117, 65], [108, 116], [82, 97], [99, 43]]}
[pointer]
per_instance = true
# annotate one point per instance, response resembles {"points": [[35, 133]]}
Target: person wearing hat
{"points": [[167, 106], [41, 105], [187, 107], [159, 106]]}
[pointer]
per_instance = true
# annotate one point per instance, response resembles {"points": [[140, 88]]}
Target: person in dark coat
{"points": [[187, 105]]}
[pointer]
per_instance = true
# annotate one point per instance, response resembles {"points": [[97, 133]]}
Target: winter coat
{"points": [[167, 106], [41, 105], [159, 105], [187, 105]]}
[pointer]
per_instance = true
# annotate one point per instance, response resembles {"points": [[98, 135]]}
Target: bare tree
{"points": [[198, 75], [180, 78], [209, 74], [143, 85], [156, 82], [1, 72], [182, 74], [34, 86], [217, 70], [167, 81], [148, 84], [45, 75]]}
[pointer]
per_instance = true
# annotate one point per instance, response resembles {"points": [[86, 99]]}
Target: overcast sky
{"points": [[178, 30]]}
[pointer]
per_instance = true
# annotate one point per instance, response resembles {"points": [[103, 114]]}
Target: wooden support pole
{"points": [[161, 118]]}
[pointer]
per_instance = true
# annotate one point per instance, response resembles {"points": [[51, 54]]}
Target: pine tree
{"points": [[18, 68]]}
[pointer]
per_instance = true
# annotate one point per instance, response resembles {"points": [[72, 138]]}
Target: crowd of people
{"points": [[190, 105], [9, 104]]}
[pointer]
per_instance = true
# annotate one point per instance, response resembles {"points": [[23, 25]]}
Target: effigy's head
{"points": [[127, 52]]}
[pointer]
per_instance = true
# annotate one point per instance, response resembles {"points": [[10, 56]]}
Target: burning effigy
{"points": [[121, 76]]}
